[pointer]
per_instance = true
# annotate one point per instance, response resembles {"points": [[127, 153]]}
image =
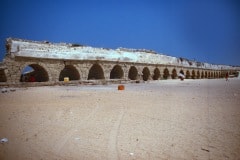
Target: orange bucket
{"points": [[121, 87]]}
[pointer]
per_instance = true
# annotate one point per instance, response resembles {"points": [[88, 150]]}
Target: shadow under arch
{"points": [[146, 73], [3, 77], [198, 75], [202, 74], [34, 73], [174, 73], [96, 72], [209, 75], [133, 73], [187, 74], [165, 73], [193, 74], [156, 75], [69, 71], [212, 75], [116, 72], [206, 74]]}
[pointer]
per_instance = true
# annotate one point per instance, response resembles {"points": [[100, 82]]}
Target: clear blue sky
{"points": [[204, 30]]}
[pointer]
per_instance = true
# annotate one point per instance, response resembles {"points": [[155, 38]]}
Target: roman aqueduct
{"points": [[51, 62]]}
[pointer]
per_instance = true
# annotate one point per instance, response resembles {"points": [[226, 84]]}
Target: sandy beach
{"points": [[167, 119]]}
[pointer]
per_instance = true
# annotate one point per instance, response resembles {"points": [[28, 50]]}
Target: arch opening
{"points": [[209, 74], [3, 77], [165, 73], [116, 72], [174, 74], [212, 75], [187, 74], [219, 75], [95, 72], [34, 73], [69, 71], [202, 74], [198, 75], [146, 73], [133, 73], [193, 74], [223, 74], [156, 75], [206, 74]]}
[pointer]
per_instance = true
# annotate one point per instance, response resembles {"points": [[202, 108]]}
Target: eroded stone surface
{"points": [[51, 62]]}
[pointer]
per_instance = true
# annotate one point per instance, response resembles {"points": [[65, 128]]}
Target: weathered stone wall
{"points": [[53, 62]]}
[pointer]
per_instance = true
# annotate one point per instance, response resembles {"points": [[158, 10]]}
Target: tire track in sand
{"points": [[59, 146], [113, 138]]}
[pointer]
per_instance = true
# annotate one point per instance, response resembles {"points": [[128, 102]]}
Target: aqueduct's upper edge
{"points": [[64, 51]]}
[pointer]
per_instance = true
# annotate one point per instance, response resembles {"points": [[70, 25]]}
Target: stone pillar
{"points": [[107, 68], [125, 68], [13, 71], [84, 70]]}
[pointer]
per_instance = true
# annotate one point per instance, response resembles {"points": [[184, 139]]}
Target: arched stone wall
{"points": [[54, 61], [38, 74], [69, 71], [117, 72], [211, 75], [156, 74], [145, 73], [205, 74], [166, 74], [100, 70], [96, 72], [133, 73], [174, 73], [198, 74], [202, 74], [188, 75], [3, 77], [193, 74]]}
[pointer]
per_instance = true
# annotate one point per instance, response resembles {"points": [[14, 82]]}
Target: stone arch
{"points": [[223, 74], [156, 75], [198, 75], [34, 73], [165, 73], [212, 75], [174, 74], [209, 74], [95, 72], [146, 73], [216, 74], [193, 74], [187, 74], [133, 73], [116, 72], [3, 77], [206, 74], [69, 71], [202, 74]]}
